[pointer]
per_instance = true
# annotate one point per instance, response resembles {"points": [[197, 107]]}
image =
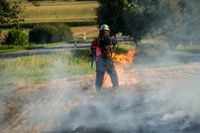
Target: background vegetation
{"points": [[176, 20], [50, 33], [38, 68], [9, 11], [48, 22], [16, 37]]}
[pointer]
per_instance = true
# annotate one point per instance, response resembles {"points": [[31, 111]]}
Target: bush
{"points": [[2, 37], [63, 33], [16, 37], [42, 34], [50, 34]]}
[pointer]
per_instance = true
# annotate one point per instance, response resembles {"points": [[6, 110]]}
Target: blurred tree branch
{"points": [[10, 11]]}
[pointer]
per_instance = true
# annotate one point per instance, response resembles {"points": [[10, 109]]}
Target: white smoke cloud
{"points": [[172, 106], [165, 98]]}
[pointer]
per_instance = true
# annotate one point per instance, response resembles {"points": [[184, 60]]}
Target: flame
{"points": [[124, 58], [122, 63]]}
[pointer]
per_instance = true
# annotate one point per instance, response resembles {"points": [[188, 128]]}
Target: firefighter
{"points": [[101, 51]]}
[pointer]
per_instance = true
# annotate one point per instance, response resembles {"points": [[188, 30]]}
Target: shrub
{"points": [[42, 34], [16, 37], [2, 37], [50, 33], [63, 33]]}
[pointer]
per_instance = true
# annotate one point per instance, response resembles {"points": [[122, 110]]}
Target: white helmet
{"points": [[104, 27]]}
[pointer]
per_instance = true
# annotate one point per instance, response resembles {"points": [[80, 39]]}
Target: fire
{"points": [[124, 58], [122, 62]]}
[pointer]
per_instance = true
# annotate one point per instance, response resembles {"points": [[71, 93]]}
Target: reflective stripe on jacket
{"points": [[102, 47]]}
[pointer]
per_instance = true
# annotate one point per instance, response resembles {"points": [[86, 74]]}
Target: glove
{"points": [[91, 55], [114, 42]]}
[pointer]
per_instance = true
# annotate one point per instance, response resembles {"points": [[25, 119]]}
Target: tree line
{"points": [[176, 20]]}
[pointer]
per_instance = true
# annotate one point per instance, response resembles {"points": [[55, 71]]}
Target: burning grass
{"points": [[123, 59], [63, 105]]}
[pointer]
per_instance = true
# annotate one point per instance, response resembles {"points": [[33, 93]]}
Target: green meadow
{"points": [[39, 68]]}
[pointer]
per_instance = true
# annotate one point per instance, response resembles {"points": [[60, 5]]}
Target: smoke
{"points": [[164, 99], [175, 23], [171, 106], [185, 24], [27, 106], [48, 105]]}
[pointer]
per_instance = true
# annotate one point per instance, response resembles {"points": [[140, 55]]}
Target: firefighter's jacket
{"points": [[101, 47]]}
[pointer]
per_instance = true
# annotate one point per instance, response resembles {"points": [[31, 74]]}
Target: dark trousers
{"points": [[102, 66]]}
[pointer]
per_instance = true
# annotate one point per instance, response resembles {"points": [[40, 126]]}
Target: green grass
{"points": [[187, 52], [60, 11], [124, 48], [10, 49], [13, 50], [190, 49], [41, 68]]}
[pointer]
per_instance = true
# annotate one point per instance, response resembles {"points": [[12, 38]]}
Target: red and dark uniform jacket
{"points": [[101, 47]]}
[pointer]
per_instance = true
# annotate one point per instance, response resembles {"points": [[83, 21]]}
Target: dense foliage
{"points": [[50, 33], [177, 20], [16, 37], [9, 11]]}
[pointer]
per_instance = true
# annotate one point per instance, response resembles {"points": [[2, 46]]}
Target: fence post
{"points": [[75, 46]]}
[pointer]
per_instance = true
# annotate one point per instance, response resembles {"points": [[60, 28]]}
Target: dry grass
{"points": [[47, 103], [60, 11]]}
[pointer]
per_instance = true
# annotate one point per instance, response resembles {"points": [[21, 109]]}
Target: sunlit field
{"points": [[60, 11], [35, 69]]}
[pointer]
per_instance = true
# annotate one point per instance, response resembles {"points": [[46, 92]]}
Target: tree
{"points": [[138, 18], [176, 20], [35, 2], [131, 17], [111, 12], [168, 19], [191, 20], [180, 24], [9, 11]]}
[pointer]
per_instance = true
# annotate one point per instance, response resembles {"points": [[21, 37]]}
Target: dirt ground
{"points": [[72, 103]]}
